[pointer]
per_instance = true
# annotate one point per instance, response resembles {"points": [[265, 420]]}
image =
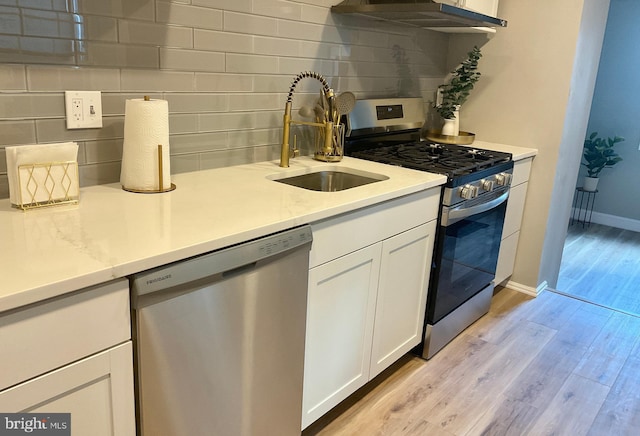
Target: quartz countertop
{"points": [[518, 153], [112, 233]]}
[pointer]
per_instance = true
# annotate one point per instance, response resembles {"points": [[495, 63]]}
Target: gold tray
{"points": [[464, 138]]}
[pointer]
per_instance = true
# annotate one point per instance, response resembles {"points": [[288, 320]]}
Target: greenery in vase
{"points": [[456, 92], [598, 153]]}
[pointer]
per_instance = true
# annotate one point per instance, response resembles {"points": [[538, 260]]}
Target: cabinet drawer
{"points": [[521, 170], [337, 236], [48, 335], [515, 209]]}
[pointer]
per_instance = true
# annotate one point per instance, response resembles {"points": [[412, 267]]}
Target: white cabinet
{"points": [[341, 306], [367, 296], [513, 220], [72, 354], [96, 391], [486, 7], [402, 295]]}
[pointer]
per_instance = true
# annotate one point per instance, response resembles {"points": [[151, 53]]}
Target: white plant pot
{"points": [[590, 184], [449, 127]]}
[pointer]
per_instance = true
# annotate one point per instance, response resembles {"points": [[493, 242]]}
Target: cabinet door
{"points": [[402, 295], [97, 391], [486, 7], [506, 258], [340, 311]]}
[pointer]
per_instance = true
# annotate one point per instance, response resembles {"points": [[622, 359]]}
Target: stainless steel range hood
{"points": [[417, 13]]}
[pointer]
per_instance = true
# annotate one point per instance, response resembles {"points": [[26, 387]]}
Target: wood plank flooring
{"points": [[602, 264], [550, 365]]}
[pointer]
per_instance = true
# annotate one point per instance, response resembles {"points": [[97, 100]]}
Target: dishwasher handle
{"points": [[219, 262]]}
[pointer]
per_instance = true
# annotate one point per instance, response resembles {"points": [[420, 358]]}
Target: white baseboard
{"points": [[519, 287], [609, 220]]}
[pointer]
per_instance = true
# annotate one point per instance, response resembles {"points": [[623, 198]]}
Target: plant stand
{"points": [[583, 207]]}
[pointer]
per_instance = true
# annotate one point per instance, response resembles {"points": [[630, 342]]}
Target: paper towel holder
{"points": [[160, 177]]}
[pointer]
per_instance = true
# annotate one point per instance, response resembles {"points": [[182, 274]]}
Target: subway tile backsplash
{"points": [[224, 66]]}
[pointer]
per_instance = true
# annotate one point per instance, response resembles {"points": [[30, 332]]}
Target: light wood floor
{"points": [[602, 264], [550, 365]]}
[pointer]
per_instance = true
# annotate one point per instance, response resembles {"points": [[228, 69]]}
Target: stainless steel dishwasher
{"points": [[220, 340]]}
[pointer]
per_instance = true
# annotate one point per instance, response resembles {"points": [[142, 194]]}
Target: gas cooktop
{"points": [[448, 159]]}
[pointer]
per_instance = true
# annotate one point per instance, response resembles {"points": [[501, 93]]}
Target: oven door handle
{"points": [[460, 213]]}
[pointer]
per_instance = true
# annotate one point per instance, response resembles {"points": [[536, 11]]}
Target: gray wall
{"points": [[224, 66], [615, 110]]}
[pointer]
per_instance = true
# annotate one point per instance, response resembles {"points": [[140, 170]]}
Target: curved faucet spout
{"points": [[328, 97]]}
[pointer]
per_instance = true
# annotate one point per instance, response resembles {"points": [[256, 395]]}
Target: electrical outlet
{"points": [[84, 109]]}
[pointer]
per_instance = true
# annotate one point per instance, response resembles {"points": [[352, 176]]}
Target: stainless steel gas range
{"points": [[472, 209]]}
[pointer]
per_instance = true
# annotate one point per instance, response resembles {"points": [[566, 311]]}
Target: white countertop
{"points": [[112, 233], [518, 153]]}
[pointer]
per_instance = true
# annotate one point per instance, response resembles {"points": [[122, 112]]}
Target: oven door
{"points": [[466, 252]]}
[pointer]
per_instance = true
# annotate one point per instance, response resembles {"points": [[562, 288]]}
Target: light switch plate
{"points": [[84, 109]]}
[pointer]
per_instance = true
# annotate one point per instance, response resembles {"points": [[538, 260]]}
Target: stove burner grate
{"points": [[448, 159]]}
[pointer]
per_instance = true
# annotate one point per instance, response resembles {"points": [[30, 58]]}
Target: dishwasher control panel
{"points": [[219, 261]]}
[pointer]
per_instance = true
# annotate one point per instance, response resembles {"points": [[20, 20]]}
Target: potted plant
{"points": [[598, 154], [453, 94]]}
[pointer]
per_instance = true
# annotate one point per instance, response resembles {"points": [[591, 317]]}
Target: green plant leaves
{"points": [[456, 92], [598, 153]]}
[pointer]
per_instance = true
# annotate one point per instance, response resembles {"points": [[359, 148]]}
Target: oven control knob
{"points": [[468, 192], [503, 179], [487, 185]]}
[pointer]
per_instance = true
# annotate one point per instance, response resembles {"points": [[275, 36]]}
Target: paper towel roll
{"points": [[146, 124]]}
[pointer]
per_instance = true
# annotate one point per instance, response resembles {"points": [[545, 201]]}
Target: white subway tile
{"points": [[149, 80], [317, 14], [187, 15], [239, 63], [197, 102], [223, 41], [99, 173], [53, 130], [295, 65], [100, 28], [223, 82], [184, 163], [277, 46], [137, 32], [226, 121], [278, 9], [191, 60], [250, 24], [251, 138], [183, 123], [199, 142], [70, 78], [20, 106], [227, 5], [119, 55], [308, 31], [17, 132], [135, 9], [13, 77], [252, 102], [103, 151]]}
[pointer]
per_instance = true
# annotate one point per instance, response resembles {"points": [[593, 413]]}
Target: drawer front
{"points": [[48, 335], [521, 170], [344, 234]]}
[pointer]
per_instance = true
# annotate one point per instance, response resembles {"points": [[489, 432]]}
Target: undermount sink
{"points": [[332, 180]]}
